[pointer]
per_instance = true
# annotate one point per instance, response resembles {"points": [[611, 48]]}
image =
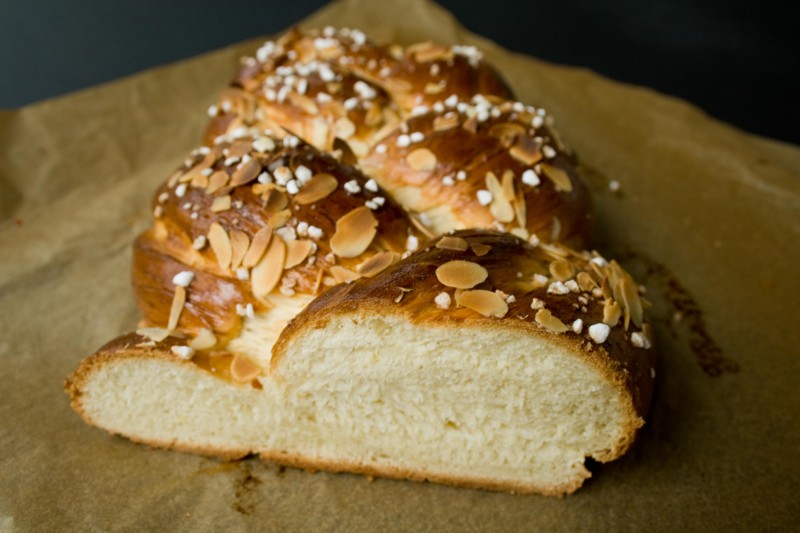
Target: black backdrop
{"points": [[737, 60]]}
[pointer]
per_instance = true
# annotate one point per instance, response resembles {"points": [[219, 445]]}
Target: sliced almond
{"points": [[427, 51], [239, 244], [632, 301], [279, 219], [342, 274], [559, 178], [486, 303], [303, 102], [446, 121], [267, 273], [461, 274], [612, 312], [508, 185], [550, 322], [275, 200], [154, 334], [586, 282], [354, 232], [221, 203], [246, 173], [257, 247], [205, 340], [178, 301], [200, 181], [216, 181], [500, 207], [319, 187], [396, 85], [562, 270], [520, 205], [243, 369], [526, 150], [507, 131], [421, 159], [434, 88], [373, 116], [452, 243], [377, 264], [220, 244], [296, 252], [240, 147], [209, 159], [344, 128], [480, 249]]}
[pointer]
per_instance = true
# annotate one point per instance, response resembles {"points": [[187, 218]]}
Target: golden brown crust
{"points": [[237, 189], [468, 141], [409, 289], [337, 83]]}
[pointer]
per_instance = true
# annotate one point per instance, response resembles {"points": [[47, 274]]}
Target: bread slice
{"points": [[385, 376]]}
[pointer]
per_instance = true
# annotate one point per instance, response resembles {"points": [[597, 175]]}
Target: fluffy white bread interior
{"points": [[492, 408], [489, 407]]}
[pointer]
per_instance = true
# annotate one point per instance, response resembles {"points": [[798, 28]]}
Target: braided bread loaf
{"points": [[313, 293]]}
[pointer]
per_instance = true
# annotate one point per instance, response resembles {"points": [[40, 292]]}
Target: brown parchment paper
{"points": [[707, 215]]}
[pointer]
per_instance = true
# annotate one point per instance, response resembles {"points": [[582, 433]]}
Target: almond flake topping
{"points": [[217, 181], [221, 203], [421, 159], [205, 340], [377, 264], [549, 321], [486, 303], [317, 188], [500, 206], [480, 249], [461, 274], [267, 273], [220, 244], [154, 334], [296, 252], [344, 128], [257, 247], [243, 369], [343, 275], [246, 173], [452, 243], [611, 313], [559, 178], [354, 232], [562, 270], [240, 242], [526, 150], [178, 301]]}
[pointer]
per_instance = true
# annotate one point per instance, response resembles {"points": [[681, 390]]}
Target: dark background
{"points": [[736, 60]]}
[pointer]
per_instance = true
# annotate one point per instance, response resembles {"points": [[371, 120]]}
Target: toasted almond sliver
{"points": [[461, 274], [319, 187], [344, 128], [393, 84], [216, 181], [275, 201], [342, 274], [296, 252], [239, 244], [354, 232], [633, 303], [445, 122], [486, 303], [421, 159], [508, 185], [526, 150], [239, 147], [562, 270], [246, 173], [243, 369], [520, 205], [303, 102], [178, 301], [586, 282], [377, 264], [257, 247], [506, 130], [221, 203], [267, 273], [500, 207], [611, 313], [154, 334], [559, 178], [220, 244], [479, 248], [546, 319], [200, 181], [205, 340], [279, 219], [452, 243]]}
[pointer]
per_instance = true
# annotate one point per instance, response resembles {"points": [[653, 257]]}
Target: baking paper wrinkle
{"points": [[77, 174]]}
